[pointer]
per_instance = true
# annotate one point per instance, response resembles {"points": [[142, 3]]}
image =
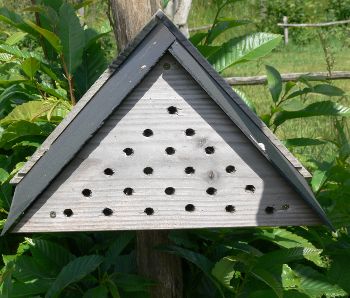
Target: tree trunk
{"points": [[127, 18]]}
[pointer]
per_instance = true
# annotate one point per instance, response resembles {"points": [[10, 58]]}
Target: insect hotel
{"points": [[161, 141]]}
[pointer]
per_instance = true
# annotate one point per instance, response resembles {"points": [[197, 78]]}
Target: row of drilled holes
{"points": [[188, 170], [169, 191], [150, 211], [169, 150]]}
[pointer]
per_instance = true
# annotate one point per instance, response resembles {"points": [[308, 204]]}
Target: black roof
{"points": [[158, 37]]}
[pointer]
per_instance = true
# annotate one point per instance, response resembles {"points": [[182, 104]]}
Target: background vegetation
{"points": [[41, 77]]}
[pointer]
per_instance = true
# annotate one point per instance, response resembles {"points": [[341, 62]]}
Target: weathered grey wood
{"points": [[241, 115], [89, 119], [288, 77], [146, 108]]}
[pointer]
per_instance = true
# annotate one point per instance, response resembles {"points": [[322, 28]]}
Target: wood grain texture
{"points": [[88, 120], [147, 108]]}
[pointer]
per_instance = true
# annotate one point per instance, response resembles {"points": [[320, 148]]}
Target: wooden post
{"points": [[286, 32], [129, 16]]}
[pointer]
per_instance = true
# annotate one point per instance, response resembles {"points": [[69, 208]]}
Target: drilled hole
{"points": [[211, 191], [230, 169], [269, 210], [148, 171], [108, 172], [230, 208], [107, 211], [172, 110], [170, 190], [209, 150], [189, 170], [170, 150], [149, 211], [128, 151], [166, 66], [86, 192], [285, 207], [148, 133], [68, 212], [52, 214], [250, 188], [190, 207], [190, 132], [128, 191]]}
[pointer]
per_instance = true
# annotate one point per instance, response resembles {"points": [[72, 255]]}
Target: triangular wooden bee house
{"points": [[161, 142]]}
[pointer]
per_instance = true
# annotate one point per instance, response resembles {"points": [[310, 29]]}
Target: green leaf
{"points": [[322, 108], [4, 175], [51, 37], [197, 38], [266, 277], [206, 51], [34, 110], [287, 239], [274, 81], [19, 130], [319, 178], [324, 89], [132, 283], [292, 105], [73, 272], [246, 100], [100, 292], [286, 255], [15, 20], [53, 252], [297, 142], [222, 25], [15, 38], [245, 48], [30, 288], [116, 248], [30, 66], [290, 280], [72, 37], [83, 4], [315, 284], [223, 271]]}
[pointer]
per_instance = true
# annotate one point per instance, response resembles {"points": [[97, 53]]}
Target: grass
{"points": [[287, 59]]}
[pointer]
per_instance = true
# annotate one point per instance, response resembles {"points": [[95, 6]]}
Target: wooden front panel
{"points": [[168, 158]]}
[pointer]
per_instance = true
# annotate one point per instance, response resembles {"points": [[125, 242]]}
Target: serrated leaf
{"points": [[290, 280], [51, 37], [322, 108], [274, 81], [315, 284], [297, 142], [206, 51], [244, 48], [30, 66], [53, 252], [223, 271], [33, 110], [72, 37], [73, 272]]}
